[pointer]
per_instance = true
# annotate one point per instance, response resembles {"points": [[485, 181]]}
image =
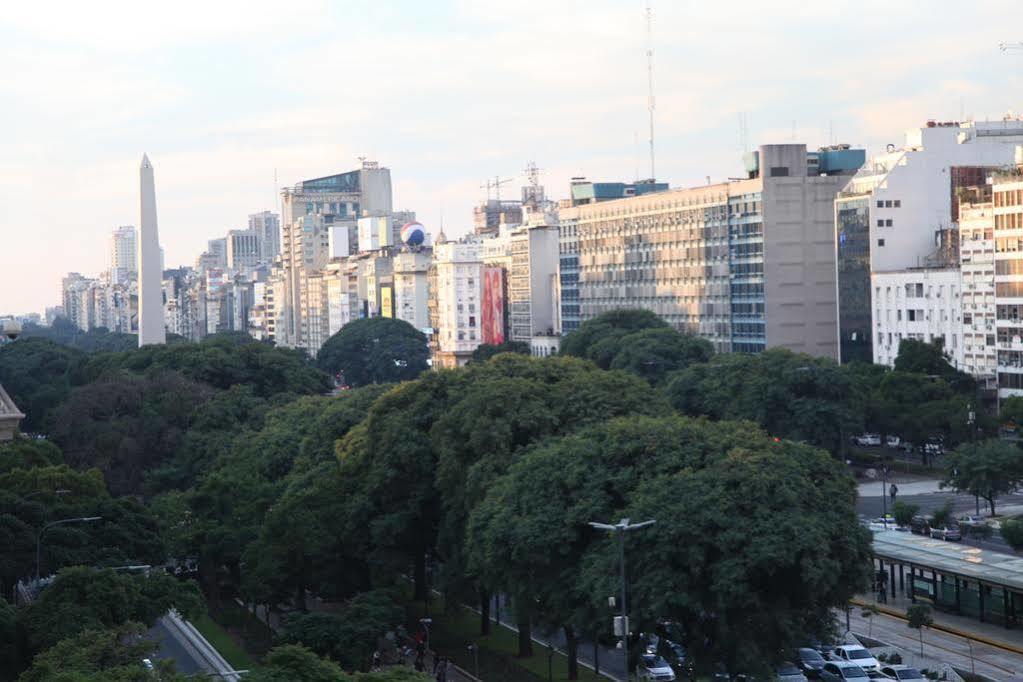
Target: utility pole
{"points": [[620, 529], [650, 81]]}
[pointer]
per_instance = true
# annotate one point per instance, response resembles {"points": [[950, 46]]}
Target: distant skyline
{"points": [[446, 95]]}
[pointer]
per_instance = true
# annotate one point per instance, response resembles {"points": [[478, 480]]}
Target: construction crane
{"points": [[496, 186]]}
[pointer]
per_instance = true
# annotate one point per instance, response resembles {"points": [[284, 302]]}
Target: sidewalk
{"points": [[906, 488]]}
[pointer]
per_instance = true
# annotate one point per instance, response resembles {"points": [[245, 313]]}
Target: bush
{"points": [[941, 517], [904, 513], [1012, 531]]}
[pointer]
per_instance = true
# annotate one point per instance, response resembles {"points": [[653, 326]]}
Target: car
{"points": [[788, 672], [903, 673], [934, 446], [809, 661], [950, 531], [920, 525], [892, 441], [838, 671], [857, 654], [148, 664], [654, 667], [869, 439]]}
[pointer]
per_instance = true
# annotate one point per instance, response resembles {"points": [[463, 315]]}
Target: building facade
{"points": [[1007, 205], [267, 226], [123, 253], [923, 304], [977, 264], [456, 293]]}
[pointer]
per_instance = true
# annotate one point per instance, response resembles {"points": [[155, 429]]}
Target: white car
{"points": [[654, 667], [903, 673], [892, 441], [854, 653], [869, 439]]}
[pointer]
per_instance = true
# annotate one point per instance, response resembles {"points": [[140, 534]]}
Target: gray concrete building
{"points": [[748, 264]]}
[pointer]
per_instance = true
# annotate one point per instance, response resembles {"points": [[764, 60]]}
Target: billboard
{"points": [[387, 301], [493, 305]]}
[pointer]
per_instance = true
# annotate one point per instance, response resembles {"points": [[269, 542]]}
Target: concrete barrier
{"points": [[206, 650]]}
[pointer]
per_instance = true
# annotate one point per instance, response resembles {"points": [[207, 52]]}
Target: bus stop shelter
{"points": [[953, 577]]}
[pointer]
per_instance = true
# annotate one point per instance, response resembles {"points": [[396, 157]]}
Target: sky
{"points": [[223, 95]]}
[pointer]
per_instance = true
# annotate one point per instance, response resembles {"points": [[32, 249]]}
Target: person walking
{"points": [[893, 491], [442, 670]]}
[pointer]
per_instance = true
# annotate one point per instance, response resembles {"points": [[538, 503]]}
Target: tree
{"points": [[349, 638], [942, 516], [375, 350], [485, 351], [82, 598], [1010, 412], [1012, 532], [904, 513], [928, 359], [295, 663], [989, 469], [739, 583], [10, 649], [101, 655], [39, 375], [26, 453], [918, 616], [636, 341]]}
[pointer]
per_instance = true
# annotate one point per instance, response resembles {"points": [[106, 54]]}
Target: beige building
{"points": [[10, 416], [456, 294], [748, 264]]}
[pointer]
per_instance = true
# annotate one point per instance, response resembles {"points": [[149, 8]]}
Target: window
{"points": [[472, 321], [888, 223], [880, 242], [888, 203], [897, 203], [779, 171], [880, 204], [880, 223]]}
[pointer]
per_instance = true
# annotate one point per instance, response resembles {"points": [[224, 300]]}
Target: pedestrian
{"points": [[376, 660], [882, 595], [894, 490], [442, 670]]}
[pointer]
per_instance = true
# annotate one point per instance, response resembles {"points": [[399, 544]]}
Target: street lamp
{"points": [[39, 537], [61, 491], [620, 529]]}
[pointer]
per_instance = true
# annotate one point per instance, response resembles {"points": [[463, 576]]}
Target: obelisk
{"points": [[150, 283]]}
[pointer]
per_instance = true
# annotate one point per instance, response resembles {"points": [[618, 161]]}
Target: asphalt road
{"points": [[185, 661]]}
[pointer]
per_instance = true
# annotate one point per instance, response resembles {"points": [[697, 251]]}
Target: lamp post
{"points": [[620, 529], [51, 524], [60, 491]]}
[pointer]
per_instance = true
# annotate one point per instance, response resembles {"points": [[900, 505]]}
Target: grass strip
{"points": [[223, 643]]}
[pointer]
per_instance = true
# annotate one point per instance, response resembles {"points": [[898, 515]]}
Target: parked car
{"points": [[920, 525], [892, 441], [857, 654], [654, 667], [934, 446], [904, 673], [809, 661], [838, 671], [869, 439], [950, 531], [789, 672]]}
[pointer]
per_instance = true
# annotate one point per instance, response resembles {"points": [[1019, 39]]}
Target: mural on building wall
{"points": [[493, 306]]}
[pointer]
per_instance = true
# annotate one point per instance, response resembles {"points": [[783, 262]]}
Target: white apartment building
{"points": [[456, 296], [890, 214], [924, 304], [532, 283], [411, 288], [123, 253], [1007, 195], [977, 264]]}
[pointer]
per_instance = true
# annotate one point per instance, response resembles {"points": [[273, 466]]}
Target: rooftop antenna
{"points": [[743, 132], [498, 181], [532, 174], [650, 80]]}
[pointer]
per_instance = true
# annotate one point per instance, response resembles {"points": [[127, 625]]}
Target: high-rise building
{"points": [[747, 264], [243, 250], [898, 210], [977, 263], [308, 210], [411, 290], [532, 282], [456, 295], [267, 226], [489, 215], [922, 304], [217, 249], [150, 280], [1007, 195], [123, 253]]}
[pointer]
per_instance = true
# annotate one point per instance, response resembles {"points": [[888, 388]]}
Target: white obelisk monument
{"points": [[151, 326]]}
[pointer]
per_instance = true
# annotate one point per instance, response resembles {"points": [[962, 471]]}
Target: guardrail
{"points": [[209, 654]]}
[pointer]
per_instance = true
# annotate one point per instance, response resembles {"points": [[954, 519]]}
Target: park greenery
{"points": [[230, 455]]}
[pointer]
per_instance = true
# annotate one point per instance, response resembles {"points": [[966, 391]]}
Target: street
{"points": [[186, 660]]}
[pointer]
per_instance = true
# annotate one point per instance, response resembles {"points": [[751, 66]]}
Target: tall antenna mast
{"points": [[650, 80]]}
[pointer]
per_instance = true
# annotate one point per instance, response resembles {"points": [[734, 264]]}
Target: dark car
{"points": [[920, 525], [809, 661]]}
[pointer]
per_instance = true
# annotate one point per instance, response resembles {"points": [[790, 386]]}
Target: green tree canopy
{"points": [[64, 332], [375, 350], [990, 469], [25, 453], [755, 540], [101, 655], [485, 351], [39, 375], [82, 598], [637, 341], [1010, 412]]}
